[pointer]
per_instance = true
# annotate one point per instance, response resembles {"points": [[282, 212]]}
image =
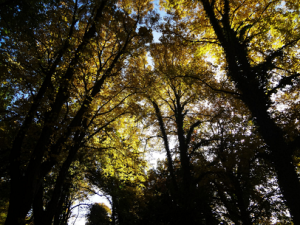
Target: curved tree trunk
{"points": [[254, 96]]}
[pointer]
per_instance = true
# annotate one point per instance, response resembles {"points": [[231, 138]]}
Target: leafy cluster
{"points": [[81, 109]]}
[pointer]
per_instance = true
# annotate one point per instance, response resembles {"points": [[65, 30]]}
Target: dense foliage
{"points": [[82, 107]]}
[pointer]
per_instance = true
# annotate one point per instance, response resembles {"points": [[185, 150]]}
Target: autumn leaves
{"points": [[83, 96]]}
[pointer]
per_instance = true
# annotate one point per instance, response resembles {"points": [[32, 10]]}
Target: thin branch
{"points": [[214, 89], [80, 204], [283, 82]]}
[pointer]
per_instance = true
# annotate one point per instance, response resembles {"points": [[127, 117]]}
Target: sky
{"points": [[79, 213]]}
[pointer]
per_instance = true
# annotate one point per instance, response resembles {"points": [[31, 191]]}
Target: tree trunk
{"points": [[258, 103], [20, 201]]}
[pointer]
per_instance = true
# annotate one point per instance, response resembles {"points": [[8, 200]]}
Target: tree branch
{"points": [[283, 82]]}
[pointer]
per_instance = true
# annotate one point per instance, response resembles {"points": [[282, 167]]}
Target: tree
{"points": [[98, 214], [65, 73], [177, 108], [258, 54], [120, 174], [20, 16], [80, 107], [245, 183]]}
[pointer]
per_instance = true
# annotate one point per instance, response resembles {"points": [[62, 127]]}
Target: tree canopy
{"points": [[86, 96]]}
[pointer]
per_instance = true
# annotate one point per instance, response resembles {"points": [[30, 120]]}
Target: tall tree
{"points": [[245, 183], [259, 54], [65, 73], [178, 107]]}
